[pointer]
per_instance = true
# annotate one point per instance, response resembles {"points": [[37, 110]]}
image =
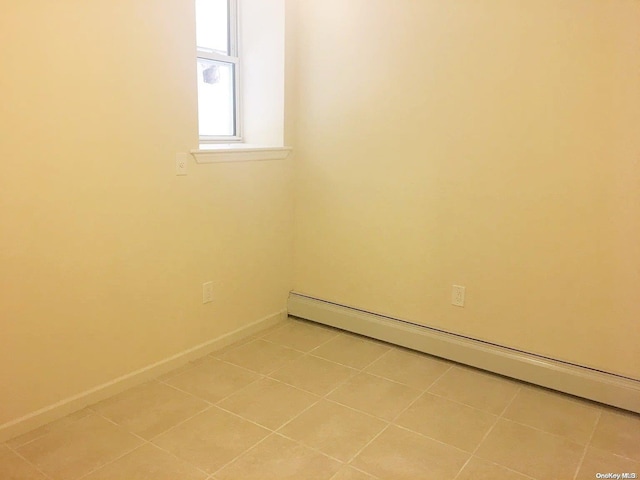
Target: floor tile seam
{"points": [[413, 402], [339, 384], [305, 351], [539, 430], [389, 424], [269, 433], [106, 464], [563, 396], [47, 433], [363, 371], [325, 397], [246, 419], [196, 397], [386, 420], [280, 344], [357, 410], [428, 390], [244, 387], [466, 452], [150, 443], [321, 397], [462, 404], [312, 354], [502, 466], [623, 457], [422, 389], [244, 452], [346, 462], [374, 477], [238, 366], [475, 371], [189, 393], [151, 440], [488, 432], [310, 447], [207, 407], [260, 377], [586, 447], [291, 386], [30, 463], [364, 447]]}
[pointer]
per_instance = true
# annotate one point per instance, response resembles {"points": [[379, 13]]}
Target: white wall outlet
{"points": [[457, 296], [181, 163], [207, 292]]}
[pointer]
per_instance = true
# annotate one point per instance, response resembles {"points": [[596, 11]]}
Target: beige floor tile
{"points": [[269, 402], [338, 431], [398, 454], [554, 413], [411, 368], [278, 458], [314, 374], [531, 452], [211, 439], [618, 432], [478, 469], [374, 395], [475, 388], [79, 448], [150, 409], [13, 467], [350, 350], [599, 461], [350, 473], [450, 422], [213, 379], [48, 428], [301, 335], [260, 356], [148, 463], [175, 371]]}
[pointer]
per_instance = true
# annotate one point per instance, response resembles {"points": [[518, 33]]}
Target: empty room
{"points": [[320, 239]]}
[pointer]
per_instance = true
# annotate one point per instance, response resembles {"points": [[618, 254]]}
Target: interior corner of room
{"points": [[488, 145]]}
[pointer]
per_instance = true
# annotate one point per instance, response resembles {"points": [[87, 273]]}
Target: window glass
{"points": [[212, 26], [215, 98]]}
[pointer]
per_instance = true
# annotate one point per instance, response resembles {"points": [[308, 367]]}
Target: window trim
{"points": [[233, 41]]}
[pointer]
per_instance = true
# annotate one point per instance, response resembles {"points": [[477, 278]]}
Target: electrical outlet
{"points": [[457, 296], [207, 292], [181, 163]]}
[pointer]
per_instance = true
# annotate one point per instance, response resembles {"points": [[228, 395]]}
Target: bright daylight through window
{"points": [[217, 47]]}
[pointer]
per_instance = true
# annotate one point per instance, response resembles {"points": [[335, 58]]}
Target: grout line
{"points": [[389, 424], [504, 410], [112, 461], [252, 447], [586, 447], [18, 454]]}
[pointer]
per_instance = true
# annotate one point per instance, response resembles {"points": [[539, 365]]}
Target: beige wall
{"points": [[492, 144], [103, 249]]}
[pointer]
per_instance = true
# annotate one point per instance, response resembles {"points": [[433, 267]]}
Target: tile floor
{"points": [[302, 401]]}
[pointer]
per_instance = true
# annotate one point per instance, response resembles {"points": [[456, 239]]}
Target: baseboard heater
{"points": [[603, 387]]}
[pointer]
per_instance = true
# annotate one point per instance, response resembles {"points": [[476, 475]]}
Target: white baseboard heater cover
{"points": [[576, 380]]}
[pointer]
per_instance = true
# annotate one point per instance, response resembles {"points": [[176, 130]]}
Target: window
{"points": [[218, 65]]}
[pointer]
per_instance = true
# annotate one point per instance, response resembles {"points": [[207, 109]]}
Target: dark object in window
{"points": [[211, 74]]}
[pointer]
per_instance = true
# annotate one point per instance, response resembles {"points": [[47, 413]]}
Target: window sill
{"points": [[238, 152]]}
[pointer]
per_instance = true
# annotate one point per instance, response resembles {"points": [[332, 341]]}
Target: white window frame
{"points": [[234, 59]]}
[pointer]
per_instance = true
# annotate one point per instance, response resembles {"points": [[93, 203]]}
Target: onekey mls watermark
{"points": [[617, 476]]}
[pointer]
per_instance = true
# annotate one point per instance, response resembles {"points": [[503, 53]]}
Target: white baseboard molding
{"points": [[576, 380], [77, 402]]}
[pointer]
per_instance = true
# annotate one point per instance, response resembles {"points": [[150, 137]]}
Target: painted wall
{"points": [[493, 144], [103, 250]]}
